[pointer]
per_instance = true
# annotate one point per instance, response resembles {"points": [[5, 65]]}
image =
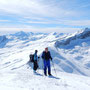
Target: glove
{"points": [[38, 57], [51, 58]]}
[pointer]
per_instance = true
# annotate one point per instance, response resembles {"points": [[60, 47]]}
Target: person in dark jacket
{"points": [[35, 62], [46, 56]]}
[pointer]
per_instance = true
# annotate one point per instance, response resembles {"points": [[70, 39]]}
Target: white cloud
{"points": [[34, 29], [4, 20], [76, 22], [64, 22], [42, 12], [33, 8]]}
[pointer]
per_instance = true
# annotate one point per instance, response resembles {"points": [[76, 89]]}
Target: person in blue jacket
{"points": [[35, 62], [46, 56]]}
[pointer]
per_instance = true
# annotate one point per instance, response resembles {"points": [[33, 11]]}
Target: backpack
{"points": [[31, 57]]}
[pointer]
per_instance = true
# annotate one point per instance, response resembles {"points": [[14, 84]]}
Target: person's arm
{"points": [[37, 57], [34, 56], [50, 55], [43, 55]]}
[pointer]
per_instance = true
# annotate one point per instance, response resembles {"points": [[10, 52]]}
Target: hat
{"points": [[46, 48], [36, 50]]}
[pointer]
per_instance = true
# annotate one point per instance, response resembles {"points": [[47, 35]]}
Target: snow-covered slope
{"points": [[24, 79], [74, 39], [75, 52], [26, 35], [3, 41], [71, 61]]}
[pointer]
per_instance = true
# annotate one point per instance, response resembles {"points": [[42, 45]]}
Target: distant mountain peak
{"points": [[53, 33], [83, 34], [87, 29]]}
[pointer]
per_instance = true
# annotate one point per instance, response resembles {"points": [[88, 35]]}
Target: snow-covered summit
{"points": [[2, 38], [83, 34], [3, 41], [74, 38], [20, 35]]}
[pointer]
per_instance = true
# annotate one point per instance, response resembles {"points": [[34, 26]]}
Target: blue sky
{"points": [[44, 15]]}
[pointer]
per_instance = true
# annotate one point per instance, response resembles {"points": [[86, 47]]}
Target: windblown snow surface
{"points": [[71, 58]]}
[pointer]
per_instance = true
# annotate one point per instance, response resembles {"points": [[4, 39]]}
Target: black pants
{"points": [[35, 65]]}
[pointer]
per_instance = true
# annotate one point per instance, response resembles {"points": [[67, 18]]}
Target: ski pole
{"points": [[42, 67], [54, 67]]}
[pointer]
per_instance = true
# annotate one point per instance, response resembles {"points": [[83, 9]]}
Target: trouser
{"points": [[35, 65], [47, 65]]}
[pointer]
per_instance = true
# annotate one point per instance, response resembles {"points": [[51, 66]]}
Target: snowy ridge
{"points": [[21, 35], [26, 36], [74, 38], [3, 41], [76, 45]]}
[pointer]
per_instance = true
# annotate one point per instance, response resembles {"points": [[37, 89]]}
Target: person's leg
{"points": [[45, 68], [34, 65], [49, 67]]}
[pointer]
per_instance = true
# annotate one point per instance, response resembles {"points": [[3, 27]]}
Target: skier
{"points": [[46, 56], [35, 61]]}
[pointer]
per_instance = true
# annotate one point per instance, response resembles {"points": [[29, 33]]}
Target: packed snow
{"points": [[70, 52]]}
